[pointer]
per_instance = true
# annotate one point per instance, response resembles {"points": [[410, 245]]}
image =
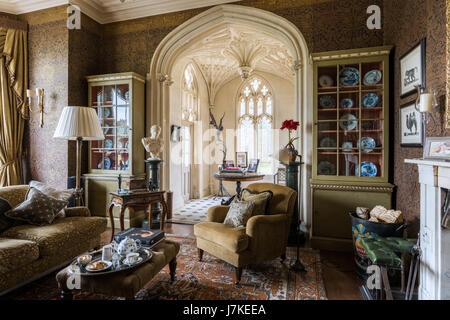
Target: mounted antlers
{"points": [[213, 121]]}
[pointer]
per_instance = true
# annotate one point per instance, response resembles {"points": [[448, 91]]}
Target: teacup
{"points": [[132, 257]]}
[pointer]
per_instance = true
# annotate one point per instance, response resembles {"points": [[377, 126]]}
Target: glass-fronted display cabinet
{"points": [[351, 138], [119, 102]]}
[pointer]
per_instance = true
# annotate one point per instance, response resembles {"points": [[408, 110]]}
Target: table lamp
{"points": [[80, 124]]}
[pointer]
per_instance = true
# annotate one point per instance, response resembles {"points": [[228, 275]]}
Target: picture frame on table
{"points": [[413, 69], [241, 159], [253, 166], [175, 133], [412, 129], [437, 148]]}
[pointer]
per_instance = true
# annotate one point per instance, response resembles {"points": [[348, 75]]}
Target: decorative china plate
{"points": [[347, 103], [107, 265], [326, 81], [368, 169], [107, 163], [349, 77], [328, 142], [372, 77], [348, 122], [370, 100], [367, 144], [109, 143], [326, 168], [327, 102], [347, 146]]}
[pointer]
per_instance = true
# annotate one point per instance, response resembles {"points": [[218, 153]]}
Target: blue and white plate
{"points": [[350, 122], [326, 81], [107, 163], [328, 142], [327, 102], [349, 77], [326, 168], [373, 77], [370, 100], [108, 143], [367, 144], [347, 146], [368, 169], [347, 103]]}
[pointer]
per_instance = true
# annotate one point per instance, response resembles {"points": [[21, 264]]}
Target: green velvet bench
{"points": [[385, 253]]}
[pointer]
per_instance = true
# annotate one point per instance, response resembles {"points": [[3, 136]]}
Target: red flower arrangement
{"points": [[291, 125]]}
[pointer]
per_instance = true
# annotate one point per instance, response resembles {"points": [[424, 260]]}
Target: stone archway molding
{"points": [[172, 46]]}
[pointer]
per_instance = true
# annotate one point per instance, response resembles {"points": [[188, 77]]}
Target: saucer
{"points": [[139, 260]]}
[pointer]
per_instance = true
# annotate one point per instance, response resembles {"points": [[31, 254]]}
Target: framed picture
{"points": [[175, 133], [437, 148], [241, 159], [412, 69], [411, 126], [228, 164], [253, 166]]}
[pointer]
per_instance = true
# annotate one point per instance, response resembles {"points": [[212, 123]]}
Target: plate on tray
{"points": [[348, 122], [372, 77], [367, 144], [98, 265], [370, 100], [349, 77], [326, 168], [327, 102], [368, 169]]}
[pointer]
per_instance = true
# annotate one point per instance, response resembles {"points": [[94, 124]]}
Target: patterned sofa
{"points": [[28, 251]]}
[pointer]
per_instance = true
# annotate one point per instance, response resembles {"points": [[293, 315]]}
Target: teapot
{"points": [[126, 246]]}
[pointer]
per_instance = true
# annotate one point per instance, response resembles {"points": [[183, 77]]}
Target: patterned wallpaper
{"points": [[406, 22]]}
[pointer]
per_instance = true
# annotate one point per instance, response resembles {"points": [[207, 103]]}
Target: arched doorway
{"points": [[185, 36]]}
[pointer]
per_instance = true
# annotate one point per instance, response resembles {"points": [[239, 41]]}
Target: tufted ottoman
{"points": [[127, 283]]}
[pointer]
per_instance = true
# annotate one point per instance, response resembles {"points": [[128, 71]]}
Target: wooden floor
{"points": [[338, 268]]}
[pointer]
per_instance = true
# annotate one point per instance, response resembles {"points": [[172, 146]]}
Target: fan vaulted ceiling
{"points": [[221, 55], [106, 11]]}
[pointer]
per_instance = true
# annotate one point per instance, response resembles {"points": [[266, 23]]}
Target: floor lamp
{"points": [[79, 124]]}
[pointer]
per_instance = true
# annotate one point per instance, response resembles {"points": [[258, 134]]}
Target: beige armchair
{"points": [[263, 238]]}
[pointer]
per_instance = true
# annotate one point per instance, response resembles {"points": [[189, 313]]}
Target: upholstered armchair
{"points": [[263, 238]]}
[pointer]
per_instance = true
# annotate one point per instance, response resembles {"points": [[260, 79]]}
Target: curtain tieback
{"points": [[8, 163]]}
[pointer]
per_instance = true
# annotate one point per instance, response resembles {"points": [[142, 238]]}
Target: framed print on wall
{"points": [[241, 159], [412, 69], [437, 148], [411, 126]]}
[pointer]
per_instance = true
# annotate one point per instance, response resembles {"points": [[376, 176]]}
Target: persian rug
{"points": [[194, 211], [211, 279]]}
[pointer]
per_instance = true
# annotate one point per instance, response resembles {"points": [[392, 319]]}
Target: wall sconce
{"points": [[40, 107], [425, 102]]}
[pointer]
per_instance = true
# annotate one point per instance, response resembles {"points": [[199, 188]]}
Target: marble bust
{"points": [[154, 143]]}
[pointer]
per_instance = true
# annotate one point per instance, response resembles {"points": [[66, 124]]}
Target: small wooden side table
{"points": [[136, 200], [238, 178]]}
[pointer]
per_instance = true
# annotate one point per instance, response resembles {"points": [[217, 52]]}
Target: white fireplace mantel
{"points": [[434, 281]]}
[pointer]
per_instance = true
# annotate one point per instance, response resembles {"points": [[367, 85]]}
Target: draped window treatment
{"points": [[13, 108]]}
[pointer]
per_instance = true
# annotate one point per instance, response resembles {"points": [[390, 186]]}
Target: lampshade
{"points": [[79, 122]]}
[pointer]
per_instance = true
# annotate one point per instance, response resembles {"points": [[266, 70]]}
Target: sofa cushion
{"points": [[239, 213], [39, 209], [233, 239], [15, 253], [64, 195], [5, 222], [62, 234]]}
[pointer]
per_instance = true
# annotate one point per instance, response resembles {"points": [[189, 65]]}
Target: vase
{"points": [[292, 153]]}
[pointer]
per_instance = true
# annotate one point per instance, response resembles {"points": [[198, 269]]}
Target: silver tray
{"points": [[75, 268]]}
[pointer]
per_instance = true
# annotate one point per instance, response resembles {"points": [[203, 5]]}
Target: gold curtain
{"points": [[13, 108]]}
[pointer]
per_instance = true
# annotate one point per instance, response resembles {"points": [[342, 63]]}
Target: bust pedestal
{"points": [[153, 184]]}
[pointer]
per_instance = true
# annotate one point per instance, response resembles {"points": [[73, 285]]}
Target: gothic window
{"points": [[255, 123], [190, 96]]}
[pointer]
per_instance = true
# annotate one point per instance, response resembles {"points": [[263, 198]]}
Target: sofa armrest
{"points": [[268, 235], [217, 214], [77, 212]]}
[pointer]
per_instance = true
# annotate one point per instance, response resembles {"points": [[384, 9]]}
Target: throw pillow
{"points": [[64, 195], [261, 200], [239, 213], [39, 209], [5, 222]]}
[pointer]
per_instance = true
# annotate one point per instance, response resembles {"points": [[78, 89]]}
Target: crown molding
{"points": [[108, 11]]}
